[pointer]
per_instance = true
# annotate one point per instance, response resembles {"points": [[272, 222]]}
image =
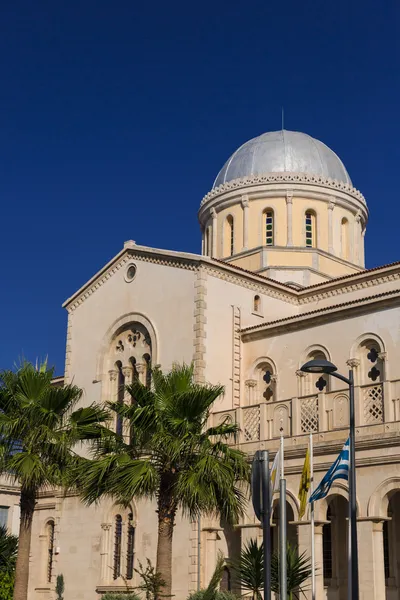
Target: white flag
{"points": [[275, 476]]}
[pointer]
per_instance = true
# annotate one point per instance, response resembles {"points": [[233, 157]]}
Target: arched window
{"points": [[257, 304], [313, 383], [117, 546], [120, 396], [207, 249], [372, 375], [344, 230], [311, 224], [50, 549], [268, 225], [266, 381], [130, 550], [372, 363], [229, 236], [225, 585]]}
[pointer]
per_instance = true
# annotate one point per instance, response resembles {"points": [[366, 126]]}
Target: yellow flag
{"points": [[304, 485]]}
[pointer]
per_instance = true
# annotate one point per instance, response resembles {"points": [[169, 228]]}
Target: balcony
{"points": [[376, 406]]}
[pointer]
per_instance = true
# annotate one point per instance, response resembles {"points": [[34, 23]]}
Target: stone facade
{"points": [[240, 309]]}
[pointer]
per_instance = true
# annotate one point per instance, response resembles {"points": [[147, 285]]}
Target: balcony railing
{"points": [[327, 411]]}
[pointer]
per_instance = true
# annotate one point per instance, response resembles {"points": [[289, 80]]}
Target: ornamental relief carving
{"points": [[283, 178], [131, 347]]}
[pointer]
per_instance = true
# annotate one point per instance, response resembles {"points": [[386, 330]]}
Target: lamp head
{"points": [[319, 365]]}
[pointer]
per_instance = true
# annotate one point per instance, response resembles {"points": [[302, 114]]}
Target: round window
{"points": [[130, 273]]}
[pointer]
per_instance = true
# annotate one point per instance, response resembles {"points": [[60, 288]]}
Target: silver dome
{"points": [[283, 152]]}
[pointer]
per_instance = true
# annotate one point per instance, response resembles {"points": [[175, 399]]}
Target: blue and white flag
{"points": [[339, 470]]}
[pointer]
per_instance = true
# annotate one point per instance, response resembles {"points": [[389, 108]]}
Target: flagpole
{"points": [[312, 519], [282, 528]]}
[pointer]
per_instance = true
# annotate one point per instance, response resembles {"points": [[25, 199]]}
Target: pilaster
{"points": [[331, 206], [289, 217], [214, 232], [246, 206]]}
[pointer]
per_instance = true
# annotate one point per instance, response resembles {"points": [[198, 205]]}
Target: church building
{"points": [[280, 280]]}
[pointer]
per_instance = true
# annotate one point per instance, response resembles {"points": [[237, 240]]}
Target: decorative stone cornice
{"points": [[332, 203], [255, 286], [344, 288], [245, 201], [213, 213], [283, 178]]}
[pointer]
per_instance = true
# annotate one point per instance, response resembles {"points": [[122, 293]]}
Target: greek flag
{"points": [[339, 470]]}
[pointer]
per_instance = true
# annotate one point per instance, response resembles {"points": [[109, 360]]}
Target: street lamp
{"points": [[328, 368]]}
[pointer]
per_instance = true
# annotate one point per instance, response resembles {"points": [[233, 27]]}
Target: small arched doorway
{"points": [[335, 548], [391, 546]]}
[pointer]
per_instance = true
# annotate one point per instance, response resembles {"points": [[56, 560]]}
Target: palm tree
{"points": [[38, 432], [168, 453], [249, 570]]}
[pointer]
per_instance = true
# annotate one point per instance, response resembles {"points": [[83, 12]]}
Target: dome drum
{"points": [[280, 197]]}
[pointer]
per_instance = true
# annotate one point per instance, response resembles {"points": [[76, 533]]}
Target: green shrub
{"points": [[120, 596], [6, 585], [219, 595]]}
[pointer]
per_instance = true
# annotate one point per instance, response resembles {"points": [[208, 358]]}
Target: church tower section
{"points": [[284, 205]]}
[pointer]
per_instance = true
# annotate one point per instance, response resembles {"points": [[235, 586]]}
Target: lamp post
{"points": [[326, 367]]}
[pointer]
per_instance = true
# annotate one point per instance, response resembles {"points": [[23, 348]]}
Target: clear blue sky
{"points": [[116, 116]]}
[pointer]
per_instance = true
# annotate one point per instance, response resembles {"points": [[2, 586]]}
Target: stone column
{"points": [[214, 232], [113, 385], [378, 563], [141, 371], [251, 385], [128, 375], [245, 205], [357, 238], [304, 531], [362, 255], [289, 217], [331, 206], [319, 561], [370, 559]]}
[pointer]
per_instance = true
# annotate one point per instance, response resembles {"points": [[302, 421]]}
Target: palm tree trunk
{"points": [[27, 504], [166, 523]]}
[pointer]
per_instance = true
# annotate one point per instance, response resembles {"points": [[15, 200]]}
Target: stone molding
{"points": [[321, 315], [224, 271], [98, 280], [283, 178], [251, 285], [199, 326], [345, 289]]}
